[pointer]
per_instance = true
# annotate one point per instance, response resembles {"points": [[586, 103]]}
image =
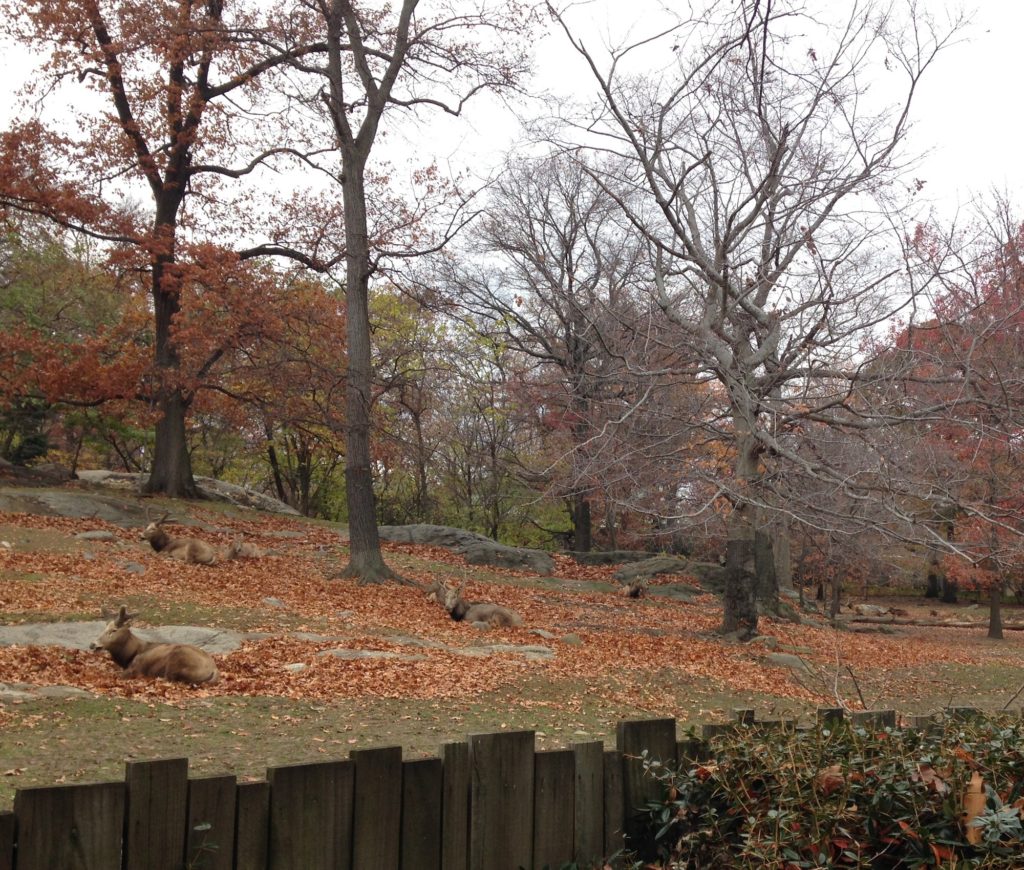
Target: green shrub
{"points": [[846, 796]]}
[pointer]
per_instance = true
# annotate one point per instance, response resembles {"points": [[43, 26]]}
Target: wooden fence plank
{"points": [[210, 838], [311, 816], [156, 813], [421, 814], [7, 841], [73, 827], [377, 826], [588, 817], [614, 804], [554, 786], [658, 738], [501, 800], [455, 807], [252, 825]]}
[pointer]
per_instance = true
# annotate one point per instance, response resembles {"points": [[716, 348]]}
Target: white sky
{"points": [[967, 118], [967, 114]]}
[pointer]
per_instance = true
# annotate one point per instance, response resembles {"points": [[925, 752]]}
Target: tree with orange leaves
{"points": [[969, 368], [164, 116]]}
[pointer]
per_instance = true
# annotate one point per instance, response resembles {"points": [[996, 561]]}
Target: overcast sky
{"points": [[967, 114]]}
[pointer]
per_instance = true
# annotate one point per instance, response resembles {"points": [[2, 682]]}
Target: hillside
{"points": [[315, 666]]}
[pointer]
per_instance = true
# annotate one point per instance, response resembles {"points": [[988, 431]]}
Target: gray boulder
{"points": [[478, 549], [786, 660], [78, 635], [609, 557], [648, 568]]}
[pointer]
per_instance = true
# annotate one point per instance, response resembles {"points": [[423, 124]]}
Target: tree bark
{"points": [[739, 600], [782, 553], [739, 597], [995, 611], [171, 472], [583, 540], [366, 563]]}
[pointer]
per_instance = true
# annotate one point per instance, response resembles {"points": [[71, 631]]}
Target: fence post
{"points": [[455, 807], [421, 814], [311, 816], [875, 718], [501, 800], [658, 737], [588, 818], [7, 841], [252, 825], [830, 716], [614, 803], [554, 801], [73, 827], [156, 814], [210, 840], [377, 824]]}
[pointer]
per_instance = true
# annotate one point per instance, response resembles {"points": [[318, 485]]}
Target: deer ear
{"points": [[123, 616]]}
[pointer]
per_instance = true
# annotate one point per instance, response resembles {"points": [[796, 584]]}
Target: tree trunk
{"points": [[366, 563], [275, 467], [610, 523], [995, 611], [764, 569], [583, 540], [171, 472], [739, 598], [783, 555]]}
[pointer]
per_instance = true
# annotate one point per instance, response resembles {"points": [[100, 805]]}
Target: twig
{"points": [[856, 685], [1016, 695]]}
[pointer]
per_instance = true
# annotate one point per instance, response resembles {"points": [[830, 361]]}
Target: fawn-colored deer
{"points": [[190, 550], [172, 661], [478, 613]]}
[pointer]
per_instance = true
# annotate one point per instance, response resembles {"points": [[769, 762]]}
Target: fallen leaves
{"points": [[606, 648]]}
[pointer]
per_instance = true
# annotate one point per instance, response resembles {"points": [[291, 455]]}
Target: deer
{"points": [[189, 550], [478, 613], [180, 662], [239, 549]]}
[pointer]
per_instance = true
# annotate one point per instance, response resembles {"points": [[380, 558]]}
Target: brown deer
{"points": [[240, 549], [190, 550], [172, 661], [479, 613]]}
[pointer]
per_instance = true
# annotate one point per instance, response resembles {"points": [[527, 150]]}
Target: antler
{"points": [[123, 616]]}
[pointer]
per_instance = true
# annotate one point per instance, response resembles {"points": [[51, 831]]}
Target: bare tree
{"points": [[378, 60], [558, 275], [767, 181]]}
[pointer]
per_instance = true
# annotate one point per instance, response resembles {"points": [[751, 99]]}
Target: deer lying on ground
{"points": [[240, 549], [172, 661], [635, 588], [190, 550], [478, 613]]}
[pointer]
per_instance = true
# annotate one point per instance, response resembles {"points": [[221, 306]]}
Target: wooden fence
{"points": [[492, 803]]}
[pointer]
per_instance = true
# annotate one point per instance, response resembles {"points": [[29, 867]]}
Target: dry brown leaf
{"points": [[974, 806]]}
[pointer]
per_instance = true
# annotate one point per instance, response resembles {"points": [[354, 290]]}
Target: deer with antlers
{"points": [[190, 550], [172, 661], [481, 614]]}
